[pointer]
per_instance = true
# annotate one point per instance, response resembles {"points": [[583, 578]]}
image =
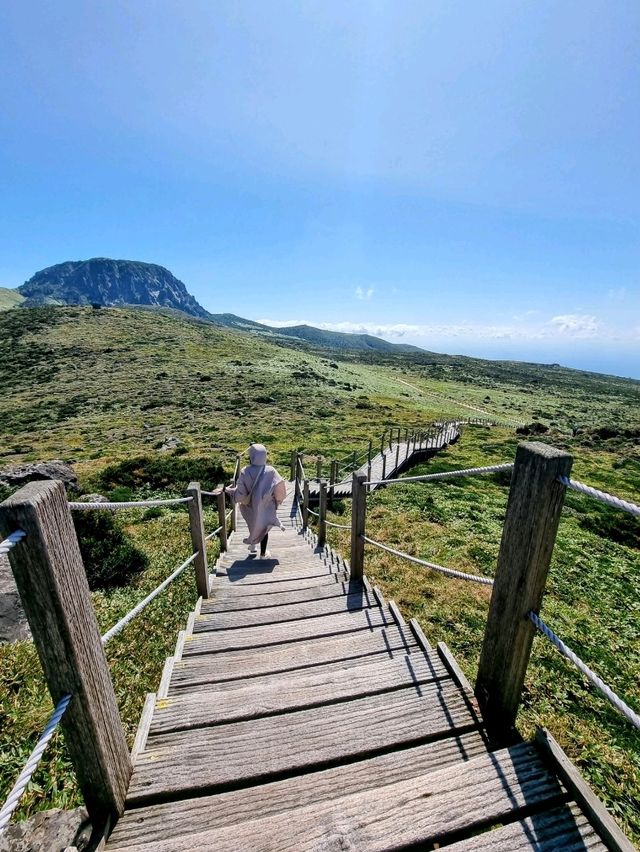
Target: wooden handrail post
{"points": [[294, 465], [222, 520], [305, 504], [398, 454], [370, 452], [196, 524], [406, 440], [528, 537], [53, 587], [369, 487], [333, 480], [322, 514], [382, 442], [358, 521], [319, 468], [355, 460], [298, 493], [384, 466]]}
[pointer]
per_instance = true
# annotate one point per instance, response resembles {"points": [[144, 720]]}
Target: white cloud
{"points": [[364, 295], [576, 325]]}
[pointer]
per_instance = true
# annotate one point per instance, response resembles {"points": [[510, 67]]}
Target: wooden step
{"points": [[228, 602], [224, 590], [164, 822], [244, 753], [300, 630], [331, 651], [294, 690]]}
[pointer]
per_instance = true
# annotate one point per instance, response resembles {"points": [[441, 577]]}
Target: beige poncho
{"points": [[259, 491]]}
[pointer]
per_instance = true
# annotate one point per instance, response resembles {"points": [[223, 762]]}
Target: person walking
{"points": [[258, 492]]}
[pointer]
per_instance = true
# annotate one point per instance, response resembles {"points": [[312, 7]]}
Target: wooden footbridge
{"points": [[299, 711]]}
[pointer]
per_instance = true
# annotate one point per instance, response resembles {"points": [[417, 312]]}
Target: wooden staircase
{"points": [[300, 712]]}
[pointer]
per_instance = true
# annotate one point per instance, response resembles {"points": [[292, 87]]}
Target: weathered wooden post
{"points": [[305, 504], [53, 587], [382, 441], [528, 536], [298, 476], [234, 511], [370, 452], [333, 479], [322, 514], [384, 466], [222, 520], [319, 468], [406, 440], [398, 454], [358, 520], [196, 525], [355, 460], [294, 465]]}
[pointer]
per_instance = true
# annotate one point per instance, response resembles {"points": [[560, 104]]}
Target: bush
{"points": [[110, 559], [162, 472]]}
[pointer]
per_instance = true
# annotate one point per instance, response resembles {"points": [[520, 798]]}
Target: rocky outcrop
{"points": [[103, 281], [14, 476], [49, 831]]}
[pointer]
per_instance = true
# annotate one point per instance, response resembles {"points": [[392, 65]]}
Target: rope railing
{"points": [[143, 603], [22, 782], [212, 534], [591, 676], [10, 541], [448, 474], [448, 572], [338, 526], [315, 514], [602, 496], [131, 504]]}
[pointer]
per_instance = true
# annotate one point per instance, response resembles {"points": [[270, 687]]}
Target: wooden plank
{"points": [[563, 828], [253, 662], [230, 603], [237, 590], [148, 825], [528, 536], [584, 795], [306, 688], [243, 753], [163, 689], [144, 724], [424, 809], [288, 631], [52, 582], [243, 619]]}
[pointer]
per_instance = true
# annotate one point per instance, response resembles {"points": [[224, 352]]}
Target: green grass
{"points": [[99, 388]]}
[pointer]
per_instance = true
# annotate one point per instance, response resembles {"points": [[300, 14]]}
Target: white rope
{"points": [[143, 603], [208, 493], [315, 514], [609, 499], [31, 765], [229, 513], [211, 534], [449, 572], [338, 526], [470, 471], [132, 504], [608, 693], [11, 540]]}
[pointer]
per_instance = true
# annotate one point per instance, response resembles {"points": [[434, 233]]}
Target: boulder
{"points": [[15, 476], [53, 831]]}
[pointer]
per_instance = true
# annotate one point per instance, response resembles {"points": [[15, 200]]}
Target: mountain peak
{"points": [[104, 281]]}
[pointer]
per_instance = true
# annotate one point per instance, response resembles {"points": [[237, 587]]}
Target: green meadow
{"points": [[105, 389]]}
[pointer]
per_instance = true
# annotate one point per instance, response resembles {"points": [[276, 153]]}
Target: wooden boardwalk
{"points": [[300, 712], [394, 459]]}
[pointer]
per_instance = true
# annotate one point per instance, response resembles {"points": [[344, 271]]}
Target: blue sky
{"points": [[464, 176]]}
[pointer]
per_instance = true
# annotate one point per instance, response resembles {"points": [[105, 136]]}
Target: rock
{"points": [[13, 622], [49, 831], [15, 476], [170, 444]]}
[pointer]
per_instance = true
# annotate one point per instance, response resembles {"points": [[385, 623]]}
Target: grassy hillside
{"points": [[9, 298], [100, 387]]}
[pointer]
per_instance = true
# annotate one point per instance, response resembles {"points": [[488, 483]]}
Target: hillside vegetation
{"points": [[107, 388]]}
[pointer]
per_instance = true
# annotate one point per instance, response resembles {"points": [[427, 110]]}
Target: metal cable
{"points": [[31, 765], [143, 603], [449, 572], [591, 676], [609, 499], [470, 471], [11, 540], [131, 504]]}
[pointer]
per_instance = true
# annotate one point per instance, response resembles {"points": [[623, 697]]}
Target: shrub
{"points": [[162, 472], [110, 559]]}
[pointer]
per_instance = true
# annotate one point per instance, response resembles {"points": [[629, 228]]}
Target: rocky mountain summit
{"points": [[104, 281]]}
